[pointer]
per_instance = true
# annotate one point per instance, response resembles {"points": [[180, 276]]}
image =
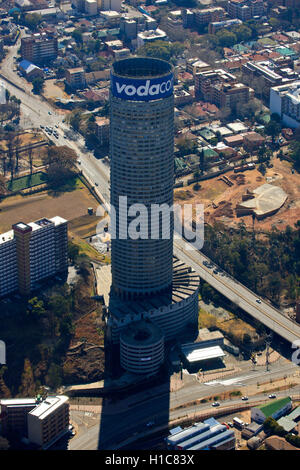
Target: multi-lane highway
{"points": [[41, 113], [128, 418]]}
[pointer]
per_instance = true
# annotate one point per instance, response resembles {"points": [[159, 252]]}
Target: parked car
{"points": [[245, 398], [272, 395], [215, 403], [258, 301]]}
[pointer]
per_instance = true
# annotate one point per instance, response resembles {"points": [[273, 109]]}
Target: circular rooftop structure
{"points": [[142, 348], [141, 67]]}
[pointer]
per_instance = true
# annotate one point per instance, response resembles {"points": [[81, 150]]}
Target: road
{"points": [[152, 406]]}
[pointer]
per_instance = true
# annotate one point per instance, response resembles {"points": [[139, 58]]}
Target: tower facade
{"points": [[154, 296], [142, 171]]}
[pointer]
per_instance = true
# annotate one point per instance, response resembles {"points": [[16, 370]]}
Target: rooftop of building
{"points": [[142, 67], [141, 333], [18, 401], [270, 408], [266, 199], [47, 406], [7, 236], [185, 283]]}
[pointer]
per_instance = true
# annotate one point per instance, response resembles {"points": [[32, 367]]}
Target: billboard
{"points": [[142, 89]]}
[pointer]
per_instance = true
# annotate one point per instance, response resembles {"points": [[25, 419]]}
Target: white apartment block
{"points": [[32, 252], [285, 101], [48, 421], [8, 264]]}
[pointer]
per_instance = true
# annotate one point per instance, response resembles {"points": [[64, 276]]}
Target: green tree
{"points": [[77, 35], [73, 251], [32, 20], [27, 387], [36, 307], [38, 85], [273, 129], [226, 38], [54, 376]]}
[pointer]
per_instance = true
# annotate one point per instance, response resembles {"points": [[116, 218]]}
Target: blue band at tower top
{"points": [[142, 89]]}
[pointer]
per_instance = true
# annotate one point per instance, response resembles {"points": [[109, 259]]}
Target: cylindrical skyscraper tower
{"points": [[142, 172], [154, 296]]}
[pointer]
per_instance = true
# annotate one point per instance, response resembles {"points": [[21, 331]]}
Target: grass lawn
{"points": [[27, 181]]}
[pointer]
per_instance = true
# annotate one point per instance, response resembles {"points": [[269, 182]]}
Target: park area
{"points": [[28, 181]]}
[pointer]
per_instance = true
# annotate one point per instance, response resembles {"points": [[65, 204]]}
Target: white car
{"points": [[215, 403], [258, 301], [272, 395]]}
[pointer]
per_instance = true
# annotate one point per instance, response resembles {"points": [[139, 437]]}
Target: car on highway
{"points": [[258, 301], [272, 395], [215, 403], [245, 398]]}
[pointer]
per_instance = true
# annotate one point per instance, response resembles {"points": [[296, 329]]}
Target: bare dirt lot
{"points": [[220, 199], [53, 90], [69, 205]]}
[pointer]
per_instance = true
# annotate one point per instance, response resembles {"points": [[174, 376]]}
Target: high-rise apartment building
{"points": [[285, 101], [148, 286], [220, 88], [32, 252], [207, 15], [245, 9], [39, 48]]}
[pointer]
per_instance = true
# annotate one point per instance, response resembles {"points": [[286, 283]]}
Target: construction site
{"points": [[273, 199]]}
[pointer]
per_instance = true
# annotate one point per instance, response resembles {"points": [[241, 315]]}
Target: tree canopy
{"points": [[161, 49]]}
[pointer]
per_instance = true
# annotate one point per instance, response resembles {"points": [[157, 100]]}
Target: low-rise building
{"points": [[30, 70], [215, 26], [275, 409], [150, 36], [209, 435], [253, 140], [75, 78]]}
